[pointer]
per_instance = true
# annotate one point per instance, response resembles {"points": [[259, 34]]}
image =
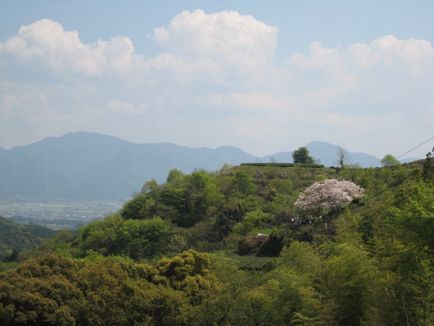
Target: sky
{"points": [[265, 76]]}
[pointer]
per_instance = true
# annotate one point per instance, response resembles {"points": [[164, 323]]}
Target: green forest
{"points": [[269, 244], [15, 238]]}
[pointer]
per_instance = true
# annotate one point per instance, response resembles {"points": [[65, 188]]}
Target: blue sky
{"points": [[264, 76], [300, 22]]}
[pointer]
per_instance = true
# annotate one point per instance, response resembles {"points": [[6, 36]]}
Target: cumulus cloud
{"points": [[381, 69], [390, 50], [197, 46], [62, 50], [387, 51], [224, 36]]}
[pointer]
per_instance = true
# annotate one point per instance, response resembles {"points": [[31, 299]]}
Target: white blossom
{"points": [[328, 194]]}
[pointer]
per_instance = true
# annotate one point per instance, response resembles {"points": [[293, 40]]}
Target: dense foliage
{"points": [[301, 155], [15, 238], [234, 248], [52, 290], [389, 160]]}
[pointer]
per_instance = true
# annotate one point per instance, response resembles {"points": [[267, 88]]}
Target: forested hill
{"points": [[15, 237], [98, 167], [248, 245]]}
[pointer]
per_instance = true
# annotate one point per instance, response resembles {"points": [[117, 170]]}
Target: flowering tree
{"points": [[327, 195]]}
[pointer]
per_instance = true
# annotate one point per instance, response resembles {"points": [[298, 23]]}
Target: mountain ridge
{"points": [[87, 165]]}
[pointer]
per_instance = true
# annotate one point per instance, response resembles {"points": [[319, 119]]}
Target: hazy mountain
{"points": [[326, 154], [92, 166]]}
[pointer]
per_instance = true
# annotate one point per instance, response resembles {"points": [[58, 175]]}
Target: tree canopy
{"points": [[328, 194], [301, 155], [389, 160]]}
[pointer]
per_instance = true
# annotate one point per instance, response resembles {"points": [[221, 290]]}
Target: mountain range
{"points": [[92, 166]]}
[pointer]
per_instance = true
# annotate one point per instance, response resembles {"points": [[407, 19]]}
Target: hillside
{"points": [[15, 238], [248, 245], [98, 167]]}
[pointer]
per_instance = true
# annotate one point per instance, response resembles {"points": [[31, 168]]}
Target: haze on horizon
{"points": [[262, 77]]}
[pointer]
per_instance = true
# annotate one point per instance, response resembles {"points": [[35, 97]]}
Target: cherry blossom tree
{"points": [[327, 195]]}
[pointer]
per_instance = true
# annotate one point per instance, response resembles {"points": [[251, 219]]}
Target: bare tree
{"points": [[343, 156]]}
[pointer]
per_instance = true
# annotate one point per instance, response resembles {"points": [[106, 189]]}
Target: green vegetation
{"points": [[248, 245], [428, 167], [15, 238], [52, 290], [301, 155], [389, 160]]}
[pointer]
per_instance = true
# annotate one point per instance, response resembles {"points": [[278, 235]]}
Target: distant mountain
{"points": [[326, 154], [92, 166]]}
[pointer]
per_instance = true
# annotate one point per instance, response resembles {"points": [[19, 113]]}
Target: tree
{"points": [[301, 155], [175, 176], [428, 167], [41, 292], [389, 160], [352, 281], [135, 238], [200, 193], [343, 156], [244, 183], [190, 272], [328, 194]]}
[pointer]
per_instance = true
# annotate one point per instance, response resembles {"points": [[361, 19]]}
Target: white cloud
{"points": [[62, 50], [225, 37], [386, 68], [167, 69], [197, 44], [386, 51]]}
